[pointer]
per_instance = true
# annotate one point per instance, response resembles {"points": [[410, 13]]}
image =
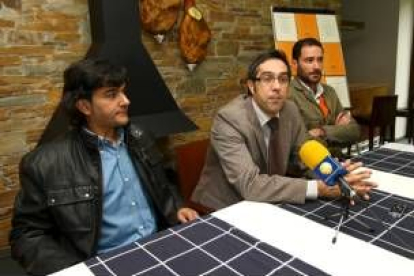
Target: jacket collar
{"points": [[297, 84], [92, 140]]}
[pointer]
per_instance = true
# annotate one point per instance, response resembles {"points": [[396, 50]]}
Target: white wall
{"points": [[404, 50], [370, 52], [381, 51]]}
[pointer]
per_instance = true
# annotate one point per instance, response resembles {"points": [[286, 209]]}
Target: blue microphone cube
{"points": [[329, 170]]}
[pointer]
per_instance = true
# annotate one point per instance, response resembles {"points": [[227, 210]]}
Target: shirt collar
{"points": [[263, 117], [104, 140], [319, 89]]}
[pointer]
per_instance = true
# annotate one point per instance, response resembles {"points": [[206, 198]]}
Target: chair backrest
{"points": [[190, 159], [384, 109], [362, 97]]}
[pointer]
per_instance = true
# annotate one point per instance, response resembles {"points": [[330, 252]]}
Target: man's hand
{"points": [[326, 191], [343, 118], [316, 132], [357, 178], [186, 215]]}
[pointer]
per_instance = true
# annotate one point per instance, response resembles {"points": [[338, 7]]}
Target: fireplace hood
{"points": [[116, 35]]}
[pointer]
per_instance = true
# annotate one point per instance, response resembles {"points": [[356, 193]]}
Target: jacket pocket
{"points": [[72, 208]]}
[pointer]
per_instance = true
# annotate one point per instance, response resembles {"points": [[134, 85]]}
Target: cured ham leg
{"points": [[159, 16], [194, 35]]}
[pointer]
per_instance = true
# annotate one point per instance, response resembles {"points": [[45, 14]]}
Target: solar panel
{"points": [[206, 246], [389, 160], [386, 221]]}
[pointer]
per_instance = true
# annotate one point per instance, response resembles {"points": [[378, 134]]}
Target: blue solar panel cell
{"points": [[171, 246], [254, 262], [194, 262], [232, 244]]}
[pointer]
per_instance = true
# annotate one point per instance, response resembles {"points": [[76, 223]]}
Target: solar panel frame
{"points": [[391, 233], [389, 160], [210, 246], [206, 246]]}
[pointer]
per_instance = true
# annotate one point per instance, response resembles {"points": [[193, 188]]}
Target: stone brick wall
{"points": [[39, 38]]}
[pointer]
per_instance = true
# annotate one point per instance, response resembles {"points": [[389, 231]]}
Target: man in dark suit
{"points": [[246, 162]]}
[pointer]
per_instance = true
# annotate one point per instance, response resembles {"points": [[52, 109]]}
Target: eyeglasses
{"points": [[268, 79]]}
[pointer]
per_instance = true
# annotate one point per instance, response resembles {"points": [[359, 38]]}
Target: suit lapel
{"points": [[257, 129]]}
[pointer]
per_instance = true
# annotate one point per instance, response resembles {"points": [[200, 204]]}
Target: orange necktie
{"points": [[323, 106]]}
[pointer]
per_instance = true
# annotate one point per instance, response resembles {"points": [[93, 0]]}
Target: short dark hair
{"points": [[83, 77], [272, 54], [309, 41]]}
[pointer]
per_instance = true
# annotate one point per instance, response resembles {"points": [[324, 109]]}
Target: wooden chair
{"points": [[190, 159], [384, 109], [409, 114]]}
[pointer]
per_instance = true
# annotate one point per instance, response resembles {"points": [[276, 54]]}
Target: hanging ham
{"points": [[194, 35], [159, 16]]}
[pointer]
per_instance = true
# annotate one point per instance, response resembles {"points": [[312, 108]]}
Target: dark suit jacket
{"points": [[236, 163]]}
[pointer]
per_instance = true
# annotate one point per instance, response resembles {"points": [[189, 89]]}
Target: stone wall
{"points": [[39, 38]]}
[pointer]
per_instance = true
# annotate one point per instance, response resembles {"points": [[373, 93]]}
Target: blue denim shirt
{"points": [[127, 214]]}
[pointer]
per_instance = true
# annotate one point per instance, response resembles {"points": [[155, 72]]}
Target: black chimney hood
{"points": [[116, 35]]}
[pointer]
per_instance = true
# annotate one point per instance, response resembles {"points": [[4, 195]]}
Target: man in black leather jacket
{"points": [[67, 211]]}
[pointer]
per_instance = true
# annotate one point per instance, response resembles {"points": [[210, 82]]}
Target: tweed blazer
{"points": [[313, 117], [236, 162]]}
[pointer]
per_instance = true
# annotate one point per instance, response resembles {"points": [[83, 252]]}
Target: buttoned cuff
{"points": [[312, 190]]}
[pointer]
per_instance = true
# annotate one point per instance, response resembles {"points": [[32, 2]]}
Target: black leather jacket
{"points": [[58, 211]]}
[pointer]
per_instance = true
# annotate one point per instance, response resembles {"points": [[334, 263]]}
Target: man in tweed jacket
{"points": [[335, 128]]}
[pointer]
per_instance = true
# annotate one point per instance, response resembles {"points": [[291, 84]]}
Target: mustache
{"points": [[275, 98], [316, 71]]}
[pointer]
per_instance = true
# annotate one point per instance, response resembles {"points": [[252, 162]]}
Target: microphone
{"points": [[316, 157]]}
